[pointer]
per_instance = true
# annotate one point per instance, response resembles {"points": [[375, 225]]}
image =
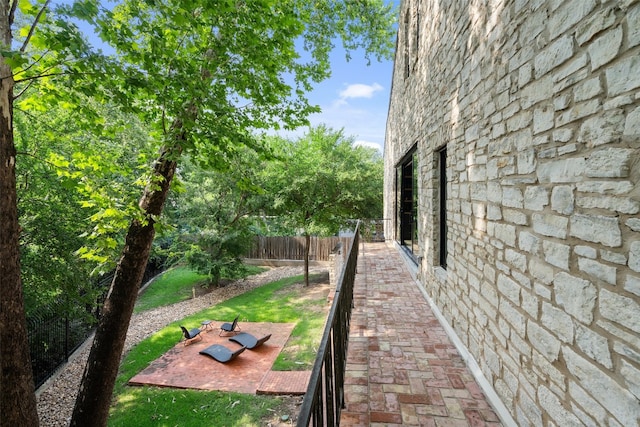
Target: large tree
{"points": [[322, 181], [17, 398], [42, 46]]}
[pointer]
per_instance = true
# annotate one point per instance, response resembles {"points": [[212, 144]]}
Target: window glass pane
{"points": [[442, 183]]}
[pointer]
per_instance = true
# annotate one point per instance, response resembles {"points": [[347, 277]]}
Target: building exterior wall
{"points": [[538, 105]]}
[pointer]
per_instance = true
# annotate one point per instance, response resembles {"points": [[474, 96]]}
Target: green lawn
{"points": [[280, 301], [175, 285], [154, 406]]}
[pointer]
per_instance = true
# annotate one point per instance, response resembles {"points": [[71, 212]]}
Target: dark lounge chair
{"points": [[249, 341], [228, 328], [190, 335], [221, 353]]}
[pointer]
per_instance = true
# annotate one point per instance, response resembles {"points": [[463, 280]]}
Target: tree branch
{"points": [[28, 79], [12, 11], [33, 26], [33, 64], [62, 73], [23, 90]]}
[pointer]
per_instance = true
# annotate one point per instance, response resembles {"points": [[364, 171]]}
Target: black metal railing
{"points": [[324, 398]]}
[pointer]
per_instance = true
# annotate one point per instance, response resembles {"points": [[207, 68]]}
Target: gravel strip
{"points": [[56, 397]]}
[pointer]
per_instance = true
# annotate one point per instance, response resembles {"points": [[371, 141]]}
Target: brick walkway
{"points": [[402, 369]]}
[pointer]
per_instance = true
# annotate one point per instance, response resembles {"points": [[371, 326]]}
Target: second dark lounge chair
{"points": [[249, 341], [227, 328], [221, 353]]}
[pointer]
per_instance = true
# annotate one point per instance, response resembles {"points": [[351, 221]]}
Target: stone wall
{"points": [[538, 105]]}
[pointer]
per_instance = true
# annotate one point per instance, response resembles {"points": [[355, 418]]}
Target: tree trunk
{"points": [[17, 391], [94, 398], [307, 244]]}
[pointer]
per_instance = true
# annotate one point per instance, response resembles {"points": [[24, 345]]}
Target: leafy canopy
{"points": [[322, 180], [212, 216], [216, 72], [224, 69]]}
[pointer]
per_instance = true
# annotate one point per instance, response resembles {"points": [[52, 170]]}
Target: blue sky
{"points": [[355, 98]]}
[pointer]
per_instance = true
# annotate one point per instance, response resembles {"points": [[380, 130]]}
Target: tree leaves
{"points": [[321, 181]]}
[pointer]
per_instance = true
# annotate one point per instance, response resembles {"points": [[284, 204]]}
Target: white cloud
{"points": [[360, 90], [366, 122], [369, 144]]}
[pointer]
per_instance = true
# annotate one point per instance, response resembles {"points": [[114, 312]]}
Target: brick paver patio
{"points": [[402, 368], [184, 366]]}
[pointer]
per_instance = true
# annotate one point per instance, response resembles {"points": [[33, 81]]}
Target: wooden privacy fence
{"points": [[292, 248]]}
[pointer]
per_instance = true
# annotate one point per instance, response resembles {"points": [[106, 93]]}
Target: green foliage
{"points": [[212, 215], [321, 181], [207, 74], [203, 77], [106, 174], [214, 69], [77, 192], [49, 210], [76, 164], [52, 62]]}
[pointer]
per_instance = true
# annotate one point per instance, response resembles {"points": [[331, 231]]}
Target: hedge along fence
{"points": [[292, 248]]}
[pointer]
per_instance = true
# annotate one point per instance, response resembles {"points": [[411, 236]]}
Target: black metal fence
{"points": [[324, 398], [54, 335], [372, 230], [52, 339]]}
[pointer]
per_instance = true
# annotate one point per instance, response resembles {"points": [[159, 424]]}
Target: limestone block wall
{"points": [[538, 105]]}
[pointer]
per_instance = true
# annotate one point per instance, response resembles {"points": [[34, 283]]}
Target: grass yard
{"points": [[153, 406], [177, 284], [286, 300]]}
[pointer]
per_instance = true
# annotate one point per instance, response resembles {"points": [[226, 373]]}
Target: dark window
{"points": [[442, 209], [407, 203]]}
